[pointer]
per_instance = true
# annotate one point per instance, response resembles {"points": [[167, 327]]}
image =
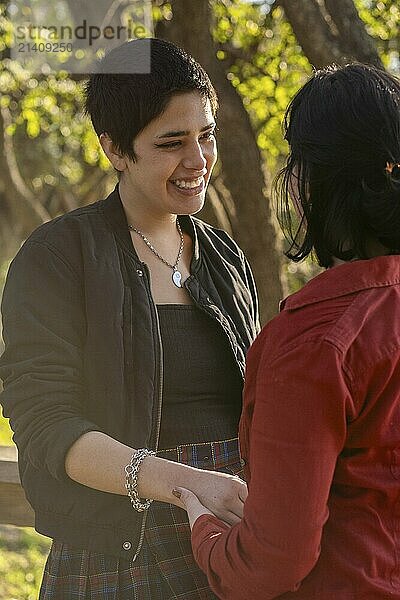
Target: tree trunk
{"points": [[330, 31], [241, 160], [354, 37], [319, 42]]}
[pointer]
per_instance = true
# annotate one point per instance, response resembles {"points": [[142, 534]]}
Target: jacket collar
{"points": [[347, 279], [114, 214]]}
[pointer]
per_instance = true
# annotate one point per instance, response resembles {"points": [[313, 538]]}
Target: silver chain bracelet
{"points": [[131, 472]]}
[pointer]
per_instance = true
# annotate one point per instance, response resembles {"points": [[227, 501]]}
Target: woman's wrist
{"points": [[131, 477], [157, 478]]}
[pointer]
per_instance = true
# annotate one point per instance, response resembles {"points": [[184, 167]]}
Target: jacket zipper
{"points": [[160, 394]]}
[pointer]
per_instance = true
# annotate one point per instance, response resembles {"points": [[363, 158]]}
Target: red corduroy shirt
{"points": [[320, 434]]}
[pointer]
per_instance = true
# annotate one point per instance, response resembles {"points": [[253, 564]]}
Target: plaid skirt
{"points": [[165, 568]]}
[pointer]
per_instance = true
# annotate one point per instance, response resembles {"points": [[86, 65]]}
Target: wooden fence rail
{"points": [[14, 508]]}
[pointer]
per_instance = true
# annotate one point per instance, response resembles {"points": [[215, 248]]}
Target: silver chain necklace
{"points": [[176, 274]]}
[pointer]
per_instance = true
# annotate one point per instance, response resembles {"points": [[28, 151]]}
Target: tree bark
{"points": [[241, 160], [354, 37], [320, 43], [330, 32]]}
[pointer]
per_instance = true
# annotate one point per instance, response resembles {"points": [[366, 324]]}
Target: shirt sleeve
{"points": [[41, 367], [297, 432]]}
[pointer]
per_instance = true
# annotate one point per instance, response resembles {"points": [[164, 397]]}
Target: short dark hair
{"points": [[343, 129], [123, 103]]}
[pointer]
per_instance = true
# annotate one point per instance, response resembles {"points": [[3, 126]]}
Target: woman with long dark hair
{"points": [[320, 427]]}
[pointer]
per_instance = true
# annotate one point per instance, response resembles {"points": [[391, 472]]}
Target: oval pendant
{"points": [[177, 278]]}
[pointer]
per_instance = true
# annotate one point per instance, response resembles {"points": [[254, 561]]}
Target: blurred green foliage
{"points": [[5, 433], [382, 18], [49, 111], [266, 66], [23, 554]]}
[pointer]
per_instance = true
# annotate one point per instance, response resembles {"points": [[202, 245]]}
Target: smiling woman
{"points": [[126, 325], [179, 151]]}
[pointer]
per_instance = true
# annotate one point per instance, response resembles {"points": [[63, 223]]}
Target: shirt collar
{"points": [[345, 279]]}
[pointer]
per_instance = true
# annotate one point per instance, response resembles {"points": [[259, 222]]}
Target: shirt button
{"points": [[139, 272], [127, 545]]}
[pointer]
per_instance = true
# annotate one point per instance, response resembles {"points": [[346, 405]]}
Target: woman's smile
{"points": [[189, 187]]}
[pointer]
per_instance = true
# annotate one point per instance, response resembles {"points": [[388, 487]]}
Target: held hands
{"points": [[193, 506], [214, 493]]}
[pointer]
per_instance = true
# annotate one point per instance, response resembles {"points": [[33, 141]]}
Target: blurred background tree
{"points": [[258, 54]]}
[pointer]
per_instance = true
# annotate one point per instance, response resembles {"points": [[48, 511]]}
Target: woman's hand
{"points": [[221, 494], [192, 504]]}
